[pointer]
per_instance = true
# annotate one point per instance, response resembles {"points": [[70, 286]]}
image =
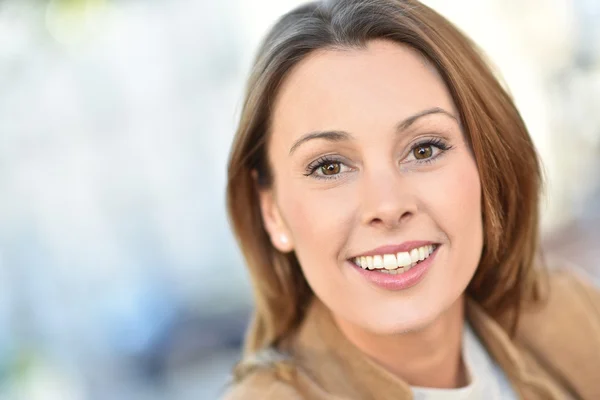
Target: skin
{"points": [[373, 191]]}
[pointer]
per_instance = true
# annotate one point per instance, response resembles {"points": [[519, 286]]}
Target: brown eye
{"points": [[423, 152], [332, 168]]}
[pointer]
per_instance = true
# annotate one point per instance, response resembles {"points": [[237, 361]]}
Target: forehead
{"points": [[361, 88]]}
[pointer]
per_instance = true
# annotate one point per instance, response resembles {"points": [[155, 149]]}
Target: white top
{"points": [[486, 379]]}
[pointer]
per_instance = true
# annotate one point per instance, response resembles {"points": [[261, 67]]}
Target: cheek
{"points": [[466, 198], [320, 220], [452, 196]]}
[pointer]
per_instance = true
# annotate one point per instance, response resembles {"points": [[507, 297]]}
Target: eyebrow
{"points": [[413, 118], [338, 136]]}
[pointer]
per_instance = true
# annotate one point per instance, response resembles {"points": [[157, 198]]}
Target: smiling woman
{"points": [[384, 191]]}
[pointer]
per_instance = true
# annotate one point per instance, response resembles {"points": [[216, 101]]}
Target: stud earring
{"points": [[283, 239]]}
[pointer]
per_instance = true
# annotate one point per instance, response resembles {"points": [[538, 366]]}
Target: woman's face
{"points": [[369, 163]]}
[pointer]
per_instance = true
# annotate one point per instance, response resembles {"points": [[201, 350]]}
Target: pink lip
{"points": [[401, 281], [396, 248]]}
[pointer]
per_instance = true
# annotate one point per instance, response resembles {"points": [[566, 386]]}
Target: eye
{"points": [[423, 151], [332, 168], [427, 151], [327, 168]]}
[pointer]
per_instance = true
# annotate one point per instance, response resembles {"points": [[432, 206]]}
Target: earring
{"points": [[283, 239]]}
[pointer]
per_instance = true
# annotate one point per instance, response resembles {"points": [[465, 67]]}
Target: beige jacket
{"points": [[555, 355]]}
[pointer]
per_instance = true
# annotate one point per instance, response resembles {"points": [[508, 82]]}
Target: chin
{"points": [[401, 324], [409, 319]]}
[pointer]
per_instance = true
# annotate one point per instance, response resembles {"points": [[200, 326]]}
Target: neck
{"points": [[428, 357]]}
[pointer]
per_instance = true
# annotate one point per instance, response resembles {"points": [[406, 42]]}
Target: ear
{"points": [[274, 223]]}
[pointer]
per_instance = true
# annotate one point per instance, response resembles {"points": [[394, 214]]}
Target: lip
{"points": [[396, 248], [401, 281]]}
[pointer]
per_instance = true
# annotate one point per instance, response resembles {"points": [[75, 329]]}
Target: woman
{"points": [[384, 191]]}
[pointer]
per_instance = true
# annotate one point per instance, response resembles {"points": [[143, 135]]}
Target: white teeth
{"points": [[389, 261], [392, 271], [395, 263], [403, 259], [377, 261], [414, 255]]}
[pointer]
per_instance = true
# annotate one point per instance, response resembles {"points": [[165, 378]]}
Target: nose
{"points": [[389, 199]]}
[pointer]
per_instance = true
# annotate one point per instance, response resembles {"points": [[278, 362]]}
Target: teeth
{"points": [[377, 262], [414, 255], [403, 259], [389, 261], [395, 263]]}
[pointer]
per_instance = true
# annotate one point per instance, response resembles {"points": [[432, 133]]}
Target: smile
{"points": [[395, 263]]}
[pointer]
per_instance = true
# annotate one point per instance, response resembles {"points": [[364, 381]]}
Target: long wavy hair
{"points": [[504, 153]]}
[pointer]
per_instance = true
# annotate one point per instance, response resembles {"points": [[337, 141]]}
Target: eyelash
{"points": [[434, 142], [325, 160], [320, 162]]}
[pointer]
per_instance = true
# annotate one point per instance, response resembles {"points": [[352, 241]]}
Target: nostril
{"points": [[379, 222], [405, 216], [389, 210], [391, 221]]}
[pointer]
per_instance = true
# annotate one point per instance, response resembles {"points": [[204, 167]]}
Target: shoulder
{"points": [[571, 288], [570, 296], [266, 374], [262, 384], [562, 333], [565, 325]]}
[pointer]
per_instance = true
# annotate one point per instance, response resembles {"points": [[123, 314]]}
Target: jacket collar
{"points": [[341, 369]]}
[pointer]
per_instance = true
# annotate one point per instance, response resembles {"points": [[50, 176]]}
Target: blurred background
{"points": [[119, 277]]}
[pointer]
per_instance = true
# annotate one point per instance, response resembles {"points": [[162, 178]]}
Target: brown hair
{"points": [[504, 153]]}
